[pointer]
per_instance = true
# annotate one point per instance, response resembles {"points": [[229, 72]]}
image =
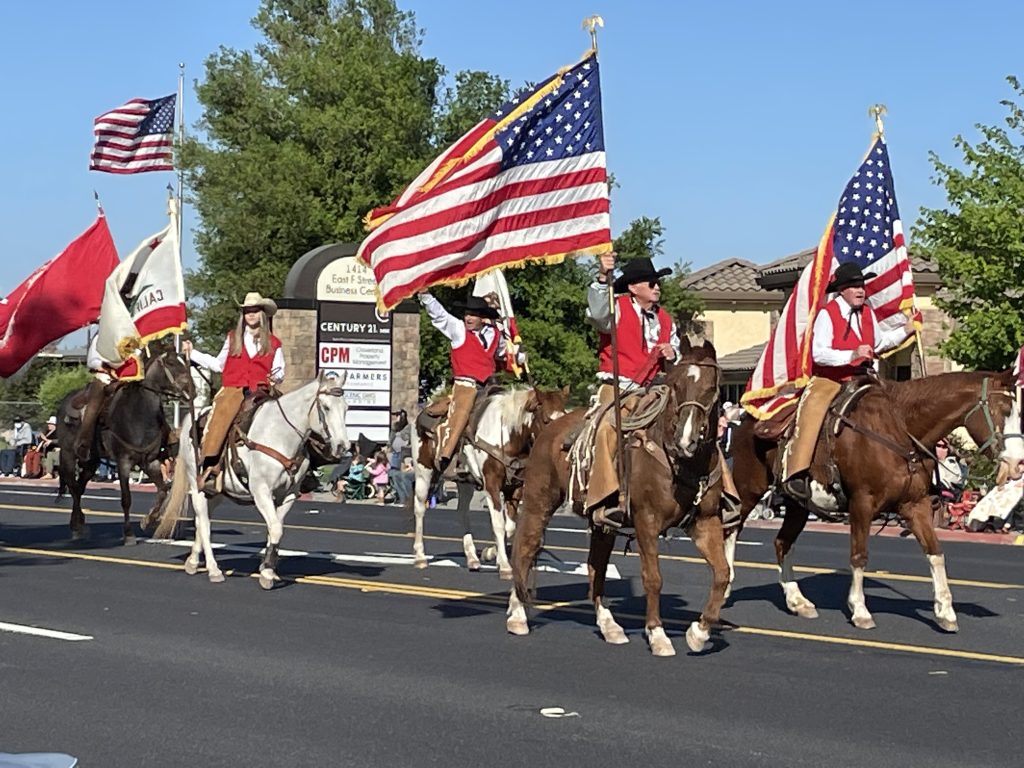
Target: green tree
{"points": [[57, 383], [326, 118], [977, 240]]}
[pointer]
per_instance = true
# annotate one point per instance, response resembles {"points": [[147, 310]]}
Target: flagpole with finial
{"points": [[590, 25], [876, 111]]}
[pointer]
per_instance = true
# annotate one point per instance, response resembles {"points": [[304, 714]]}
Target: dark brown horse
{"points": [[878, 478], [493, 456], [132, 431], [674, 480]]}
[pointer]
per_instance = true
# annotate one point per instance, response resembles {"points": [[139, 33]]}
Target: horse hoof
{"points": [[266, 582], [517, 627], [697, 638], [80, 534], [420, 563], [489, 554], [505, 575], [660, 644], [613, 634], [215, 577], [947, 625], [192, 568], [473, 565], [806, 611], [863, 622]]}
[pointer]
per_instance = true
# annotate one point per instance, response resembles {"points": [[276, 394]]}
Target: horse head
{"points": [[546, 405], [994, 424], [330, 410], [167, 373], [694, 382]]}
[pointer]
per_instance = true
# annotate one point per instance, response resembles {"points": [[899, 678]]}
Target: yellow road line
{"points": [[441, 593], [752, 565]]}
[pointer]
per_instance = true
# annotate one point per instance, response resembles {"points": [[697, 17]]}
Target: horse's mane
{"points": [[929, 388], [513, 407]]}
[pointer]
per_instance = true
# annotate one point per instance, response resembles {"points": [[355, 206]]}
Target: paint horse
{"points": [[493, 454], [878, 476], [675, 480]]}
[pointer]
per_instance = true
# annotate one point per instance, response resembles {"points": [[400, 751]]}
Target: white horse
{"points": [[492, 457], [274, 459]]}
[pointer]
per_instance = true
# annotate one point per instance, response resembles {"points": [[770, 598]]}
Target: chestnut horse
{"points": [[494, 457], [876, 478], [674, 480]]}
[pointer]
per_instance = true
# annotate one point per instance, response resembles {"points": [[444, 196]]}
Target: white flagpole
{"points": [[181, 190]]}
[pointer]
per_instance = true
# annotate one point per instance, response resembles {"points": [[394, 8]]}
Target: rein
{"points": [[996, 436], [291, 464]]}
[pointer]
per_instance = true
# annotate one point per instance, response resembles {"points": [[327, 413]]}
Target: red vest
{"points": [[847, 340], [473, 360], [250, 372], [634, 354]]}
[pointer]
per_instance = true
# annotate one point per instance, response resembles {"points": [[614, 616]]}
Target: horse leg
{"points": [[601, 545], [496, 508], [708, 538], [792, 524], [156, 477], [419, 509], [201, 505], [264, 500], [730, 558], [80, 477], [918, 517], [124, 471], [465, 500], [650, 572], [861, 515], [536, 511]]}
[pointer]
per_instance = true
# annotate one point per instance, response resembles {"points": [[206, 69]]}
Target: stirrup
{"points": [[798, 487], [211, 482], [609, 517]]}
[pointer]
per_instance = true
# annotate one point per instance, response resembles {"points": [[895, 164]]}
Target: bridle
{"points": [[323, 434], [703, 408], [173, 391], [996, 437]]}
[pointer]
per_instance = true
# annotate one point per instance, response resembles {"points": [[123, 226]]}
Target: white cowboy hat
{"points": [[52, 420], [254, 299]]}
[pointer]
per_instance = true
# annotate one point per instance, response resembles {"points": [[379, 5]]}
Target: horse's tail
{"points": [[177, 497]]}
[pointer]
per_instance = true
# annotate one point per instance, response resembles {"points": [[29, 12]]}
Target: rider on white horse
{"points": [[250, 360]]}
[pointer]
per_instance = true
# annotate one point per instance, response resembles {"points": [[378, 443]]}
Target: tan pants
{"points": [[810, 415], [460, 408], [225, 408], [604, 474]]}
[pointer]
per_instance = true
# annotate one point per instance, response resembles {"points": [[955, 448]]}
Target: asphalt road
{"points": [[359, 659]]}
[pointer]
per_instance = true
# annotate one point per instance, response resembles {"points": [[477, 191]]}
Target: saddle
{"points": [[434, 413]]}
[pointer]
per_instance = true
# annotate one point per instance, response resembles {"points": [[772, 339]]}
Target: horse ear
{"points": [[532, 401], [684, 344], [710, 349], [566, 390]]}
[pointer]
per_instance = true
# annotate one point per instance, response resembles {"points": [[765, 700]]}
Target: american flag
{"points": [[865, 229], [527, 183], [135, 138]]}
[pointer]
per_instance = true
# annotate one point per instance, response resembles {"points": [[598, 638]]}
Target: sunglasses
{"points": [[942, 445], [653, 283]]}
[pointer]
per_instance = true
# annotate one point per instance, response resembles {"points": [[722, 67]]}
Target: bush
{"points": [[58, 383]]}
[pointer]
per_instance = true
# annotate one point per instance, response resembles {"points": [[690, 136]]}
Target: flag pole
{"points": [[590, 24], [876, 111], [181, 190]]}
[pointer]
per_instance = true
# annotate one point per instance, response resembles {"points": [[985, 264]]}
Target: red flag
{"points": [[61, 296]]}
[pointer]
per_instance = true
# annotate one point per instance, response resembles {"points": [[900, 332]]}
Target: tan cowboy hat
{"points": [[254, 299]]}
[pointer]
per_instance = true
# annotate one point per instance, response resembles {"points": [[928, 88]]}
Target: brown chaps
{"points": [[810, 415], [225, 407], [604, 475], [96, 393], [460, 408]]}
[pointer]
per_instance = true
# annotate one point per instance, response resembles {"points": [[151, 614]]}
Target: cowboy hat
{"points": [[847, 274], [475, 305], [638, 271], [254, 299]]}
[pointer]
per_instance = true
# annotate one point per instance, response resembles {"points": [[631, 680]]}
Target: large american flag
{"points": [[527, 183], [135, 138], [865, 229]]}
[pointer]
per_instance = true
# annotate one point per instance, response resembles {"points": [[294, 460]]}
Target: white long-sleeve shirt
{"points": [[211, 363], [93, 360], [825, 354], [599, 315], [454, 329]]}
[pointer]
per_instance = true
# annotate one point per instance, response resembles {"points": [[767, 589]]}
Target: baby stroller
{"points": [[359, 488]]}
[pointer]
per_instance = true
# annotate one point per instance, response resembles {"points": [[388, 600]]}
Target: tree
{"points": [[328, 117], [977, 240], [58, 383]]}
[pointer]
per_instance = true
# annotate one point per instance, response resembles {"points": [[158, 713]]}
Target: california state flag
{"points": [[144, 297]]}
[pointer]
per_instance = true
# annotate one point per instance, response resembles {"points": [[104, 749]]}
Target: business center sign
{"points": [[355, 337]]}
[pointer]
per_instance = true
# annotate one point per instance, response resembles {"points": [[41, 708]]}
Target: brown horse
{"points": [[494, 457], [675, 481], [878, 478]]}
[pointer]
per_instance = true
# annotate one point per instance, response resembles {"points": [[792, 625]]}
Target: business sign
{"points": [[346, 279], [353, 336]]}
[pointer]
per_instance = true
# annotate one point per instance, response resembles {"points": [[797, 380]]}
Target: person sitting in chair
{"points": [[476, 347], [846, 341], [251, 360]]}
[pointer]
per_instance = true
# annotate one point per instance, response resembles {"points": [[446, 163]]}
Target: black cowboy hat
{"points": [[475, 305], [848, 273], [638, 271]]}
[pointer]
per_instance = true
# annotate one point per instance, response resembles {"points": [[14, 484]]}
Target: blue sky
{"points": [[738, 123]]}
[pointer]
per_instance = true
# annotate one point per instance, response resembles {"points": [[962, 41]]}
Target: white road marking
{"points": [[392, 558], [674, 538], [51, 494], [56, 634]]}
